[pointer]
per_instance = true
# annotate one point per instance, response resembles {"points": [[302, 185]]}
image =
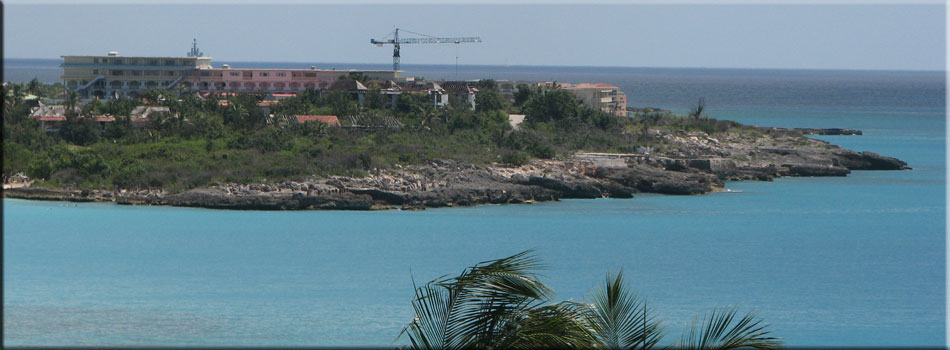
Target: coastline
{"points": [[700, 164]]}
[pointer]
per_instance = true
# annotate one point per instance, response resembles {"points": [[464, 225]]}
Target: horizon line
{"points": [[566, 65]]}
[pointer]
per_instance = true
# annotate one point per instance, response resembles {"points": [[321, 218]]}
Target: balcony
{"points": [[125, 66]]}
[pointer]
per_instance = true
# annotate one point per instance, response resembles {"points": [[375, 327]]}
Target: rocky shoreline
{"points": [[822, 131], [693, 163]]}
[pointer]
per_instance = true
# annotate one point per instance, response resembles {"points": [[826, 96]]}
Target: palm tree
{"points": [[502, 304], [18, 93], [620, 319], [495, 304], [33, 87], [8, 100], [72, 100]]}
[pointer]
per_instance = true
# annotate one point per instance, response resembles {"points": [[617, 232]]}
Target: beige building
{"points": [[604, 97], [114, 75]]}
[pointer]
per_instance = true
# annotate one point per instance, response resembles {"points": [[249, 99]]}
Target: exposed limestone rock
{"points": [[692, 163]]}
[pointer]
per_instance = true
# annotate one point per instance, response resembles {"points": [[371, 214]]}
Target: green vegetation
{"points": [[502, 304], [202, 141]]}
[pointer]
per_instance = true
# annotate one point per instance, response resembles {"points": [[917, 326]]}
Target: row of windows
{"points": [[140, 73], [118, 72], [135, 61], [264, 74]]}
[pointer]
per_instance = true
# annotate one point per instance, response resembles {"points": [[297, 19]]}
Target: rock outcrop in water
{"points": [[696, 164], [817, 131]]}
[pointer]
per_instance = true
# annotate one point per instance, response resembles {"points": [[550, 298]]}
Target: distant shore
{"points": [[700, 165]]}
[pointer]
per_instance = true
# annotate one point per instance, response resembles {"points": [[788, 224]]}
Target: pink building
{"points": [[269, 80]]}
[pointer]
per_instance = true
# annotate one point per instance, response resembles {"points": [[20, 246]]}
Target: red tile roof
{"points": [[330, 120]]}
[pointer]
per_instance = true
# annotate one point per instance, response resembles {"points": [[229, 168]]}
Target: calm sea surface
{"points": [[847, 261]]}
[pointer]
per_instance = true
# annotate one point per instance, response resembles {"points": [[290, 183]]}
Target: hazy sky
{"points": [[849, 36]]}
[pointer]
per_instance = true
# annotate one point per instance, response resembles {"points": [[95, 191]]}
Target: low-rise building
{"points": [[329, 120], [52, 117], [434, 90], [462, 91], [508, 89], [604, 97]]}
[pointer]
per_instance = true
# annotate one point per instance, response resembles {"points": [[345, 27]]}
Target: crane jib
{"points": [[396, 41], [428, 41]]}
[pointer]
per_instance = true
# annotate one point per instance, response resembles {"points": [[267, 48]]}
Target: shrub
{"points": [[516, 158], [40, 168]]}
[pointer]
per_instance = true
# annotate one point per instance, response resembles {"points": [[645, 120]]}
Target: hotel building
{"points": [[125, 76]]}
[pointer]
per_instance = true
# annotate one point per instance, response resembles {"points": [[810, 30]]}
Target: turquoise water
{"points": [[852, 261]]}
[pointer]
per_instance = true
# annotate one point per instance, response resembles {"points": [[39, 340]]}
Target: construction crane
{"points": [[396, 41]]}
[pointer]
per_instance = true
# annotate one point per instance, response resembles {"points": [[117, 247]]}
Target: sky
{"points": [[700, 35]]}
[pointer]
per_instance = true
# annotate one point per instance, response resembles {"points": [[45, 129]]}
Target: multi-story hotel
{"points": [[118, 76]]}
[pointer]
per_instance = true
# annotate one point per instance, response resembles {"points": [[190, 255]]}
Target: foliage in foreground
{"points": [[502, 304]]}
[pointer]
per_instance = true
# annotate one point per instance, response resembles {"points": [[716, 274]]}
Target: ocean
{"points": [[851, 261]]}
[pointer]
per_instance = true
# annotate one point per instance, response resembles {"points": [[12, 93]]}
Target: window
{"points": [[95, 71], [295, 74], [117, 61], [133, 62], [151, 72], [136, 72], [153, 62], [95, 60], [169, 62], [281, 74], [170, 73], [248, 74], [235, 74], [310, 75], [263, 74], [116, 72], [205, 74]]}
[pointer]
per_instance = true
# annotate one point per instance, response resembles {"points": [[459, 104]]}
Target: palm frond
{"points": [[502, 303], [432, 306], [719, 331], [491, 290], [467, 310], [620, 319], [557, 326]]}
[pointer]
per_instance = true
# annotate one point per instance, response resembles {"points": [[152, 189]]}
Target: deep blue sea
{"points": [[852, 261]]}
